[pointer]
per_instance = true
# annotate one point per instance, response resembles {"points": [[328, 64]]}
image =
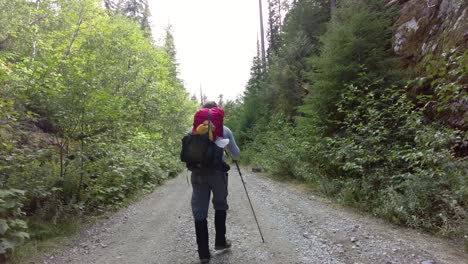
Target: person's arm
{"points": [[232, 146]]}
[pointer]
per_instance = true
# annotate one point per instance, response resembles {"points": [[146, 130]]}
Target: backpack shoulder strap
{"points": [[209, 123]]}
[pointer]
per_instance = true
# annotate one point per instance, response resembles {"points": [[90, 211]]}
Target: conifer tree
{"points": [[136, 10], [170, 49], [274, 23], [253, 105], [357, 38]]}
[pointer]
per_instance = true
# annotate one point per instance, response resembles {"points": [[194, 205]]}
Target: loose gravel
{"points": [[298, 227]]}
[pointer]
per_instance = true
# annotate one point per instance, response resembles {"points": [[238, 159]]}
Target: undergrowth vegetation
{"points": [[91, 113], [366, 132]]}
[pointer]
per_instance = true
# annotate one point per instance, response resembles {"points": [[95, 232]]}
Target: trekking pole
{"points": [[251, 207]]}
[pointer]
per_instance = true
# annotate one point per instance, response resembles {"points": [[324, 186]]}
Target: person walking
{"points": [[211, 180]]}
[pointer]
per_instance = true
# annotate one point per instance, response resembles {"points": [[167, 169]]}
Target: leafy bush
{"points": [[279, 147], [398, 165], [91, 111], [387, 159], [125, 169], [12, 227]]}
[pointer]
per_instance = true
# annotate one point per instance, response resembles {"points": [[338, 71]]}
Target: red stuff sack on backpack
{"points": [[216, 117]]}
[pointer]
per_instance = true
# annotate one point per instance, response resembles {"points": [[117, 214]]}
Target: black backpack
{"points": [[200, 153]]}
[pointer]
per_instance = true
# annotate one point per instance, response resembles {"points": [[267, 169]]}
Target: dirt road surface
{"points": [[298, 227]]}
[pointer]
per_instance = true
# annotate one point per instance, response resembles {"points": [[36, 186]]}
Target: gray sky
{"points": [[216, 41]]}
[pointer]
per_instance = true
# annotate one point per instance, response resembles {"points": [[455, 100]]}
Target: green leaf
{"points": [[21, 235], [18, 223], [3, 226], [7, 244]]}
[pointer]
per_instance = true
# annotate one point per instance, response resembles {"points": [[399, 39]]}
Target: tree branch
{"points": [[77, 30]]}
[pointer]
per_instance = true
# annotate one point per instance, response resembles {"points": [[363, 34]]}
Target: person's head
{"points": [[210, 104]]}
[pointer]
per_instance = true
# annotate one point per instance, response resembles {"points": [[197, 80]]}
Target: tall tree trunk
{"points": [[36, 31], [279, 14], [62, 174], [262, 40], [61, 144], [332, 6], [81, 154], [81, 169], [201, 96], [77, 30]]}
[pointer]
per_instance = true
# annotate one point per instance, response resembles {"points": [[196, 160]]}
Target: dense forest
{"points": [[91, 112], [342, 106]]}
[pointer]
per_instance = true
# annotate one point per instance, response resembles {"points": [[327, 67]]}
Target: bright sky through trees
{"points": [[215, 40]]}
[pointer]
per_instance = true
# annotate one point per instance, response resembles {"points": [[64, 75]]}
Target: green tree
{"points": [[170, 49], [274, 29], [357, 37], [284, 87], [85, 103], [136, 10], [253, 108]]}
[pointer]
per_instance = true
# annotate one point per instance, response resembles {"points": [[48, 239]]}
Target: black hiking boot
{"points": [[201, 230], [221, 242]]}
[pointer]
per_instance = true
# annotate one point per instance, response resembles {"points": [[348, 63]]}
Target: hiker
{"points": [[211, 179]]}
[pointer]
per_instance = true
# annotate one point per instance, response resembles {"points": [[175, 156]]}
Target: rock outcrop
{"points": [[427, 27]]}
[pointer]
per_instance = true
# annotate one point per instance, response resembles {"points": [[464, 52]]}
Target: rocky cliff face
{"points": [[426, 27], [430, 37]]}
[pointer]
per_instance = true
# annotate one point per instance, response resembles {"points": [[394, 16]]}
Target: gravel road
{"points": [[298, 228]]}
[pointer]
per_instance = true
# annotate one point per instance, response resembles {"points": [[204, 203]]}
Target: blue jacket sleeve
{"points": [[232, 146]]}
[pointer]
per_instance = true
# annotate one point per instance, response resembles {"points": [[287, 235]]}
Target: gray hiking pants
{"points": [[203, 183]]}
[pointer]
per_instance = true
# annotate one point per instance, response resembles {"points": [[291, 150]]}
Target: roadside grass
{"points": [[45, 237], [48, 238], [326, 191]]}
